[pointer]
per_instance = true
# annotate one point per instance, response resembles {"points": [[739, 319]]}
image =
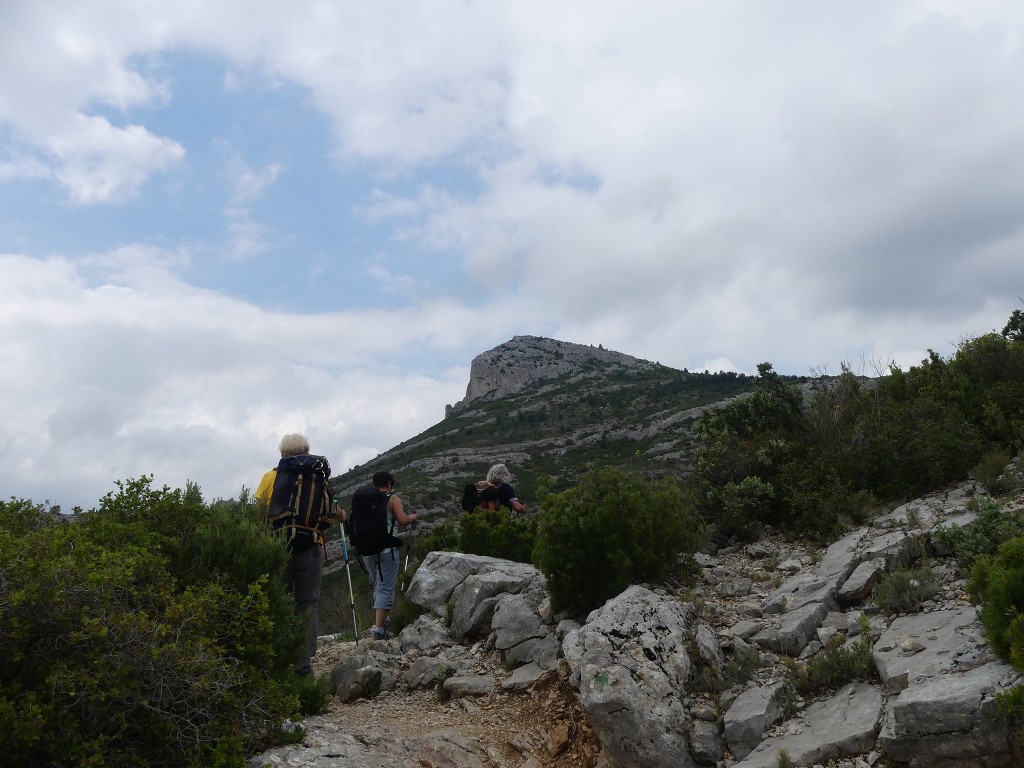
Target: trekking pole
{"points": [[348, 572], [405, 567]]}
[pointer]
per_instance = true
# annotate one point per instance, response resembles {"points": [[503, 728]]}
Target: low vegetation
{"points": [[997, 583], [152, 631], [497, 533], [813, 459], [610, 531], [839, 662], [903, 590]]}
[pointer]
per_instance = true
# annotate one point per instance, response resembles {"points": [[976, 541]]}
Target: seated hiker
{"points": [[376, 510], [499, 491]]}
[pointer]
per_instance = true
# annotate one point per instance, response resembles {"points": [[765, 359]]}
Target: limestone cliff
{"points": [[525, 360]]}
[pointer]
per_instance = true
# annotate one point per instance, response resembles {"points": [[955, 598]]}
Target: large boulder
{"points": [[440, 573], [476, 598], [750, 715], [821, 583], [521, 634], [630, 665], [364, 675], [950, 721], [946, 679], [844, 724]]}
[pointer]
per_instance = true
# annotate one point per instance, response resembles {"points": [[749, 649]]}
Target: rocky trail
{"points": [[504, 684], [540, 726]]}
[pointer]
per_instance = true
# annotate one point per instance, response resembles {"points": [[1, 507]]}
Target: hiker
{"points": [[382, 560], [305, 535], [498, 490]]}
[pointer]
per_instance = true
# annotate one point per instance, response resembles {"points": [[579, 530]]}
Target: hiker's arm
{"points": [[399, 512], [518, 506]]}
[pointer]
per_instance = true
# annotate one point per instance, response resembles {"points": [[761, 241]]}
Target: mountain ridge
{"points": [[553, 409], [531, 359]]}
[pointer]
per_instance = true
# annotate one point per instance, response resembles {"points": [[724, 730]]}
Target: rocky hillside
{"points": [[489, 678], [549, 408]]}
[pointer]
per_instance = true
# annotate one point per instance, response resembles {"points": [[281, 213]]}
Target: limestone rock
{"points": [[629, 662], [845, 724]]}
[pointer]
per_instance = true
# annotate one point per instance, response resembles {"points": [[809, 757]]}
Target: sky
{"points": [[223, 222]]}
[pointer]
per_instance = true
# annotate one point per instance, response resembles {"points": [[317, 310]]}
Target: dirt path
{"points": [[543, 723]]}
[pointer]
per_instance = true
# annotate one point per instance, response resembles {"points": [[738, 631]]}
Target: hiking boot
{"points": [[381, 633]]}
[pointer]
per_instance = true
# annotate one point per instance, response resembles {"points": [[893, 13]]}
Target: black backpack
{"points": [[470, 497], [300, 503], [367, 524]]}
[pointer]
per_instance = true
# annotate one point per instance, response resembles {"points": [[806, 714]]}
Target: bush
{"points": [[116, 654], [902, 590], [989, 471], [610, 531], [496, 533], [439, 537], [835, 665], [998, 583], [807, 459], [993, 526]]}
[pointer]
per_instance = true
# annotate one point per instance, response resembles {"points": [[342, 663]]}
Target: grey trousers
{"points": [[302, 580]]}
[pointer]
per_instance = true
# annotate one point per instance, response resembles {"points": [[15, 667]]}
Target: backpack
{"points": [[470, 497], [300, 502], [367, 524]]}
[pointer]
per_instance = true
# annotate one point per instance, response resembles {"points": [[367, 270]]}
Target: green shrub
{"points": [[114, 653], [496, 533], [738, 669], [989, 470], [744, 505], [22, 516], [835, 665], [902, 590], [806, 460], [610, 531], [314, 692], [993, 526], [998, 583], [439, 537]]}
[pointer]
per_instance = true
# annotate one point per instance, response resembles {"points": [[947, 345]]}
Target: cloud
{"points": [[116, 374], [249, 184], [706, 184]]}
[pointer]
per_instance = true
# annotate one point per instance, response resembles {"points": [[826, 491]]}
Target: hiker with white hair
{"points": [[297, 502], [497, 490]]}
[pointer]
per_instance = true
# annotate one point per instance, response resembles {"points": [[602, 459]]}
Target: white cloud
{"points": [[707, 184], [113, 379], [248, 183]]}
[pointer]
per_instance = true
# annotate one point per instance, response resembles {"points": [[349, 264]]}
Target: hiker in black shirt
{"points": [[499, 490]]}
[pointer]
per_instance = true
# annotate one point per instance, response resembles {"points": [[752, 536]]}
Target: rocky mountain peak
{"points": [[525, 360]]}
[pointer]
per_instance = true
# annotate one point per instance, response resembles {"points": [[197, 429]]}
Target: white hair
{"points": [[293, 445], [499, 473]]}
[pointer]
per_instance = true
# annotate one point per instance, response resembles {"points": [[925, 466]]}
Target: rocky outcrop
{"points": [[629, 662], [641, 664], [525, 360], [841, 725]]}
